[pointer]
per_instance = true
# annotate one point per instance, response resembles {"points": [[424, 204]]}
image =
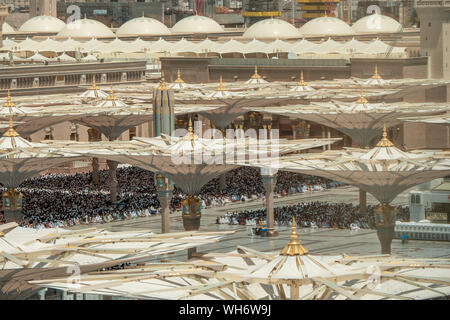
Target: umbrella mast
{"points": [[163, 123]]}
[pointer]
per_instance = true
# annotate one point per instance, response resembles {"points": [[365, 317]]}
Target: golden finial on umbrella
{"points": [[294, 248], [375, 74], [94, 84], [362, 99], [302, 81], [162, 84], [256, 75], [111, 94], [220, 87], [9, 104], [385, 142], [179, 80], [191, 130]]}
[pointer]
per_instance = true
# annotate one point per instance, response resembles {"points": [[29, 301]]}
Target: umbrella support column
{"points": [[385, 224], [164, 198], [95, 173], [269, 182], [164, 189], [192, 212], [112, 165], [12, 215], [363, 202], [12, 205]]}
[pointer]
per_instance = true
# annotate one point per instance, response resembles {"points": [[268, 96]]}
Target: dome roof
{"points": [[326, 26], [197, 24], [376, 23], [142, 26], [42, 24], [7, 29], [271, 29], [86, 28]]}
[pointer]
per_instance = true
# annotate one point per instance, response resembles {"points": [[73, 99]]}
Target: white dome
{"points": [[42, 24], [271, 29], [326, 26], [142, 26], [7, 29], [376, 23], [197, 24], [86, 28]]}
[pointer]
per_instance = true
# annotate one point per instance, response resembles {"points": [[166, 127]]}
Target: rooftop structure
{"points": [[197, 24], [377, 23], [143, 26], [353, 48], [86, 28], [326, 26], [271, 29], [42, 24]]}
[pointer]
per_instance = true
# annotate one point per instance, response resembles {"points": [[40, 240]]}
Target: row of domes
{"points": [[276, 28], [265, 29]]}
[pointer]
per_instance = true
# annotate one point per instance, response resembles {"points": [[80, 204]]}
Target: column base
{"points": [[385, 236], [191, 223], [12, 215]]}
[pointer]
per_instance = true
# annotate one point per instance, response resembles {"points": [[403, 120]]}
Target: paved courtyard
{"points": [[318, 241]]}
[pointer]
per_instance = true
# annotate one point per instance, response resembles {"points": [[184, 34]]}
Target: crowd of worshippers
{"points": [[312, 215], [65, 200]]}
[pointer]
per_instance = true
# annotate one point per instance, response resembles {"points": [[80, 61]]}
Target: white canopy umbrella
{"points": [[256, 78], [160, 45], [256, 46], [89, 58], [327, 47], [182, 45], [360, 120], [138, 45], [293, 273], [47, 45], [27, 45], [229, 47], [94, 92], [178, 84], [66, 58], [111, 101], [303, 46], [32, 254], [38, 57], [375, 80], [302, 85], [90, 46], [384, 171], [206, 45], [8, 44]]}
